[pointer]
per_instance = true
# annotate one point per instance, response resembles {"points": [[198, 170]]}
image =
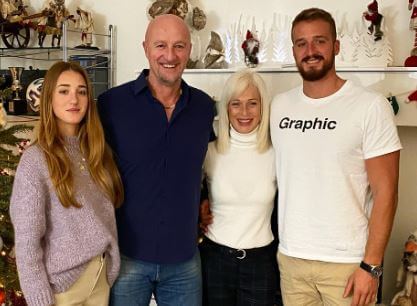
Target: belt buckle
{"points": [[243, 254]]}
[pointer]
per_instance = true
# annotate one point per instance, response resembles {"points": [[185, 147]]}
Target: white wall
{"points": [[130, 19]]}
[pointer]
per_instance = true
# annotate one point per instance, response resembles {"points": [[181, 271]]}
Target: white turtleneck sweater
{"points": [[242, 186]]}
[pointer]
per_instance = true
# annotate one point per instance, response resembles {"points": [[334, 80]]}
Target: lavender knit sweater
{"points": [[54, 244]]}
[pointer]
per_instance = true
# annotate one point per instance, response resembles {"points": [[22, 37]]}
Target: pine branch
{"points": [[8, 159], [7, 136]]}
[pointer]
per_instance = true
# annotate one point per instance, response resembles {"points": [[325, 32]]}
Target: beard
{"points": [[315, 74]]}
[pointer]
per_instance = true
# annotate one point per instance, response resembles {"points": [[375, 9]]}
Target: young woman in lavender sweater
{"points": [[64, 194]]}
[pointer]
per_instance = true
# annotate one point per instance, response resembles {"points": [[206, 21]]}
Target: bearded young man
{"points": [[337, 157]]}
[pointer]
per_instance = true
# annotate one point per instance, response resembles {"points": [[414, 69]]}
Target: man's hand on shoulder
{"points": [[363, 286], [206, 218]]}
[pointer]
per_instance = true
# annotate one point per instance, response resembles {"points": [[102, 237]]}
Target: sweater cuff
{"points": [[45, 298]]}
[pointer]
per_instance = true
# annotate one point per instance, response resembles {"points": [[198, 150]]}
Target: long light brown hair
{"points": [[96, 152]]}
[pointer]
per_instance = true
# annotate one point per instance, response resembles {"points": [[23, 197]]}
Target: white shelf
{"points": [[291, 69]]}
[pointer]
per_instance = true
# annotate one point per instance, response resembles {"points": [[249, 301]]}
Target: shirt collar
{"points": [[141, 84]]}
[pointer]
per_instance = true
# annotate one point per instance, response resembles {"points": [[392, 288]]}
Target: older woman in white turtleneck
{"points": [[237, 256]]}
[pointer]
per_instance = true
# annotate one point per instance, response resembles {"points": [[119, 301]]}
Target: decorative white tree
{"points": [[228, 46], [373, 53], [263, 45], [348, 48], [237, 42], [281, 41]]}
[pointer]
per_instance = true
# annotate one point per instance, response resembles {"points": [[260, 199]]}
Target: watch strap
{"points": [[374, 270]]}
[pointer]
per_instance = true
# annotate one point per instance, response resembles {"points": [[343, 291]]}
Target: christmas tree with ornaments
{"points": [[11, 148]]}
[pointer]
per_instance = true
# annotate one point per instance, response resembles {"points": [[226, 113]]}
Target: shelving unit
{"points": [[94, 61]]}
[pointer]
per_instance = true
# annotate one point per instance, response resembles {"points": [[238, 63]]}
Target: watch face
{"points": [[377, 271]]}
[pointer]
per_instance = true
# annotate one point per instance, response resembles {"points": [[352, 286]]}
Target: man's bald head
{"points": [[167, 47], [167, 21]]}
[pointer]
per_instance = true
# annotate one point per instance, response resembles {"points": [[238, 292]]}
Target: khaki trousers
{"points": [[312, 282], [91, 289]]}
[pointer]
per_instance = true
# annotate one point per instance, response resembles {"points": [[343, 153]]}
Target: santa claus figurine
{"points": [[250, 47], [375, 18]]}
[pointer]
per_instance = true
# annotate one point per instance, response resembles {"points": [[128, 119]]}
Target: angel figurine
{"points": [[250, 47]]}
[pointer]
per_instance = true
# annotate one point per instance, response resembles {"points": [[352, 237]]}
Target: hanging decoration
{"points": [[394, 104]]}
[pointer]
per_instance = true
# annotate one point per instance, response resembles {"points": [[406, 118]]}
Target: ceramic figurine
{"points": [[199, 19], [176, 7], [7, 9], [54, 13], [85, 23], [214, 57]]}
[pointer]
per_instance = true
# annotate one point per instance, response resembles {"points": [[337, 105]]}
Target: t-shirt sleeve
{"points": [[380, 131], [28, 215]]}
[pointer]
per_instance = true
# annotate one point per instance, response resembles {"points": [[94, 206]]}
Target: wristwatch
{"points": [[374, 270]]}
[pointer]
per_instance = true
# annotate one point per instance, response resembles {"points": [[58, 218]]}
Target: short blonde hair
{"points": [[235, 85]]}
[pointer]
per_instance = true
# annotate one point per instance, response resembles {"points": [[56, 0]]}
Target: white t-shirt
{"points": [[242, 186], [321, 146]]}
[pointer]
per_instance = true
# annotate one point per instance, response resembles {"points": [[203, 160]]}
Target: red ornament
{"points": [[2, 296], [17, 299], [411, 61]]}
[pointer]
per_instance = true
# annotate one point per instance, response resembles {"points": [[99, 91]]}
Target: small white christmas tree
{"points": [[281, 41], [263, 45], [228, 46]]}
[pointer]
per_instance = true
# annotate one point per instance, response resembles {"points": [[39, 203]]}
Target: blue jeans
{"points": [[172, 284]]}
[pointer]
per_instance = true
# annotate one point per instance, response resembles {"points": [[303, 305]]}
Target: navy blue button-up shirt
{"points": [[160, 163]]}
